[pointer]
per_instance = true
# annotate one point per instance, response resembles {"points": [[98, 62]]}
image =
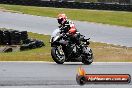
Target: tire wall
{"points": [[76, 5]]}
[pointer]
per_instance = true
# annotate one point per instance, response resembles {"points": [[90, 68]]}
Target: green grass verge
{"points": [[102, 52], [106, 17]]}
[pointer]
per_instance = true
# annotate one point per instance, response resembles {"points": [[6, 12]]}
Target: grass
{"points": [[111, 53], [102, 52], [120, 18]]}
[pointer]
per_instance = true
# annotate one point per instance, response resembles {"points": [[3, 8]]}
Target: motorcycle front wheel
{"points": [[58, 55]]}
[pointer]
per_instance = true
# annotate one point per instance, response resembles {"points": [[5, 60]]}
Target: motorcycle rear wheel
{"points": [[88, 59]]}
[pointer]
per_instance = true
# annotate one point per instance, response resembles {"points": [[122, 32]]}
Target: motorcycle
{"points": [[64, 50]]}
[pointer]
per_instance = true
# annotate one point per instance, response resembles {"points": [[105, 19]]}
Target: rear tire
{"points": [[55, 57], [88, 58]]}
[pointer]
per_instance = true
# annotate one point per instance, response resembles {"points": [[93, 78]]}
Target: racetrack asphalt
{"points": [[45, 25], [50, 74]]}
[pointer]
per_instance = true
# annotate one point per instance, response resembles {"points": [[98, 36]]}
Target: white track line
{"points": [[66, 62]]}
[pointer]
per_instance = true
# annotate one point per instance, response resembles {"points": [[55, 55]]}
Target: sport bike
{"points": [[65, 50]]}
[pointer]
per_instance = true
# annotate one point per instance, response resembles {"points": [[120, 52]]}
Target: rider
{"points": [[67, 26]]}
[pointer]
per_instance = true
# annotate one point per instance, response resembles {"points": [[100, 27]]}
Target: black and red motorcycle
{"points": [[65, 48]]}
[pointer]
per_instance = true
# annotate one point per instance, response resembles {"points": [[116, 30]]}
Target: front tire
{"points": [[57, 57]]}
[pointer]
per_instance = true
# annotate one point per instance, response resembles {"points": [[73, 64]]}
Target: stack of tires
{"points": [[6, 39], [24, 35], [1, 36], [14, 37]]}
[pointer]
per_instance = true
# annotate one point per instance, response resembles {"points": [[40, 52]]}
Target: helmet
{"points": [[61, 18]]}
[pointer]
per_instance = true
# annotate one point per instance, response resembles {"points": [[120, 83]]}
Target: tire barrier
{"points": [[11, 38], [31, 44], [76, 5], [15, 37], [6, 39], [1, 36]]}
